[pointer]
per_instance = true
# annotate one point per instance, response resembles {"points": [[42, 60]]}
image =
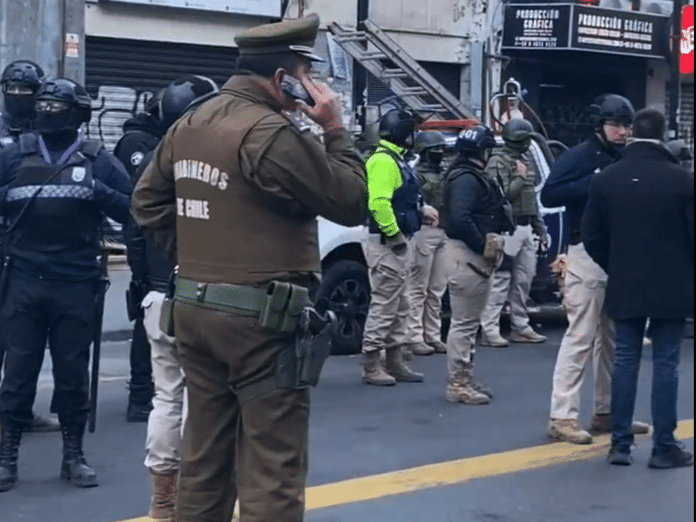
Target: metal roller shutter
{"points": [[122, 75]]}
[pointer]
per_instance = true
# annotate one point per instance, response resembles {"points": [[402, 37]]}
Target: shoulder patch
{"points": [[6, 141], [137, 158], [299, 123]]}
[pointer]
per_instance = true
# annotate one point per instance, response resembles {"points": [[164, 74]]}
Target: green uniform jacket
{"points": [[519, 190], [431, 181], [383, 179], [234, 189]]}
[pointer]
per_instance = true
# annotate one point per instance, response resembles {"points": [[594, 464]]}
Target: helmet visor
{"points": [[51, 106]]}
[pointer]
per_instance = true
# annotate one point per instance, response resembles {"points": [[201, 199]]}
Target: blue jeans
{"points": [[666, 336]]}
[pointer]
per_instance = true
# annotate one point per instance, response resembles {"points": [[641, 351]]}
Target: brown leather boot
{"points": [[459, 388], [373, 373], [163, 499], [396, 367]]}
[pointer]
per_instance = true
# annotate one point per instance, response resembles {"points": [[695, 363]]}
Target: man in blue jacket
{"points": [[590, 332], [639, 227]]}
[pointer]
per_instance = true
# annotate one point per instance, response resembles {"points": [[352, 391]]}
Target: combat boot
{"points": [[421, 349], [569, 430], [396, 367], [476, 385], [493, 340], [43, 424], [459, 389], [74, 467], [163, 499], [601, 423], [9, 452], [438, 346], [373, 373]]}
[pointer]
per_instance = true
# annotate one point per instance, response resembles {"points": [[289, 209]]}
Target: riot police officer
{"points": [[475, 217], [141, 135], [428, 277], [395, 206], [590, 332], [20, 81], [56, 186], [513, 279]]}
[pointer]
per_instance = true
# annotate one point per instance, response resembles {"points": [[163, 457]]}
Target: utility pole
{"points": [[73, 40], [675, 76]]}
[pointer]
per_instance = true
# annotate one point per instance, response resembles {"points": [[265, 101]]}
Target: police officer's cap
{"points": [[296, 36]]}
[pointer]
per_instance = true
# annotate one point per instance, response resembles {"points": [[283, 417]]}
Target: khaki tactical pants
{"points": [[165, 426], [590, 334], [428, 282], [514, 285], [468, 293], [255, 450], [387, 320]]}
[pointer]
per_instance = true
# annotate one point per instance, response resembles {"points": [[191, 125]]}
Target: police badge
{"points": [[78, 174]]}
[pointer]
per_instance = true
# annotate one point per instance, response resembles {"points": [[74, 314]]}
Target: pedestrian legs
{"points": [[140, 387], [163, 445]]}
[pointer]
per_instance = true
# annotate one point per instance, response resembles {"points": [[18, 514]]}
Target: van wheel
{"points": [[345, 290]]}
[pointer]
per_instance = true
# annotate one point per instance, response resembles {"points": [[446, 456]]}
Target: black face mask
{"points": [[54, 123], [20, 106], [434, 158]]}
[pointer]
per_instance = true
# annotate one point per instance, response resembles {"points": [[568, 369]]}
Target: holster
{"points": [[166, 318], [300, 363], [134, 300], [493, 248]]}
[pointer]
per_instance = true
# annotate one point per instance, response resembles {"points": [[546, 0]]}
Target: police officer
{"points": [[142, 133], [55, 187], [513, 279], [590, 332], [243, 183], [163, 444], [475, 217], [395, 206], [20, 81], [428, 278]]}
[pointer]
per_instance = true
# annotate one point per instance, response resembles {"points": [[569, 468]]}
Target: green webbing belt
{"points": [[224, 296]]}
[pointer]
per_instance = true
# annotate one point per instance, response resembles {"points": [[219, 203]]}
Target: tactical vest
{"points": [[52, 204], [525, 204], [406, 198], [228, 232]]}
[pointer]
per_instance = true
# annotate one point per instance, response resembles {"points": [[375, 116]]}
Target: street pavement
{"points": [[492, 463]]}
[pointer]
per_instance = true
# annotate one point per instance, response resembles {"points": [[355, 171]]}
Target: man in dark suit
{"points": [[639, 227]]}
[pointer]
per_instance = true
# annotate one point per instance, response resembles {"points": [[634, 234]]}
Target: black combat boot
{"points": [[9, 450], [75, 468]]}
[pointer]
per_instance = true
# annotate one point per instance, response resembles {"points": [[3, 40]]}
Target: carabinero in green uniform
{"points": [[233, 192]]}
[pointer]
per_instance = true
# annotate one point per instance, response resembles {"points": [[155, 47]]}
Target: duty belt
{"points": [[222, 296]]}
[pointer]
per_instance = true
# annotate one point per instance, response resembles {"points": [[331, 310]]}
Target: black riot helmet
{"points": [[62, 106], [183, 94], [20, 81], [476, 143], [610, 107], [397, 126], [152, 107], [517, 134]]}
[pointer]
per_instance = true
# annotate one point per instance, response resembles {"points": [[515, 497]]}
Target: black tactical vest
{"points": [[406, 199], [52, 204]]}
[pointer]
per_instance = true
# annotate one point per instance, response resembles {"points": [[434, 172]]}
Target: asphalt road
{"points": [[359, 431]]}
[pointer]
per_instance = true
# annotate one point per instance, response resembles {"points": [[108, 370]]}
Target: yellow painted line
{"points": [[457, 471]]}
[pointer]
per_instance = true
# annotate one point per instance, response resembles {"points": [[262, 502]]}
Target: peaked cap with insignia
{"points": [[296, 35]]}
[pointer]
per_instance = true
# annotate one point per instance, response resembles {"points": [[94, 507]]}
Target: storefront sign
{"points": [[585, 28], [687, 40], [269, 8]]}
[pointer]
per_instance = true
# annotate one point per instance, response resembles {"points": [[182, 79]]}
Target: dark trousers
{"points": [[36, 311], [141, 387], [666, 335], [253, 450]]}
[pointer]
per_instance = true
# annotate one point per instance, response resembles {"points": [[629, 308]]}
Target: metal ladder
{"points": [[394, 67]]}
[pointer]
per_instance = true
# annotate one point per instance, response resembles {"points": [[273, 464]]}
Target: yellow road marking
{"points": [[457, 471]]}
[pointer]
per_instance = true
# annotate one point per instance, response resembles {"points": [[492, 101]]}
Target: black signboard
{"points": [[585, 28], [537, 26]]}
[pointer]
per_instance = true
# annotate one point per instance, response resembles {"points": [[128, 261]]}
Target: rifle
{"points": [[96, 345]]}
